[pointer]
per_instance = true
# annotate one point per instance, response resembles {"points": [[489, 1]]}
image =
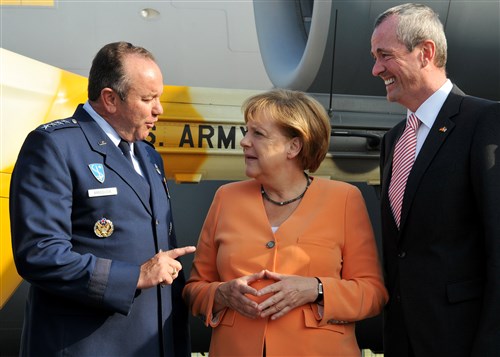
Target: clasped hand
{"points": [[287, 293]]}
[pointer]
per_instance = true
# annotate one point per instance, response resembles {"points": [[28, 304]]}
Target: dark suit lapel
{"points": [[389, 141], [152, 172], [112, 156], [440, 131], [391, 145], [145, 161]]}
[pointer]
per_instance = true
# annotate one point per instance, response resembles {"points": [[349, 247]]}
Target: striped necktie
{"points": [[404, 157]]}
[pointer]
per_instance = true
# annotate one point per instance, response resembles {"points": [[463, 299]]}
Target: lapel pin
{"points": [[102, 142], [443, 129]]}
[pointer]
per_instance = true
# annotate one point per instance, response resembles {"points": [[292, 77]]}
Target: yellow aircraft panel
{"points": [[28, 90], [27, 2]]}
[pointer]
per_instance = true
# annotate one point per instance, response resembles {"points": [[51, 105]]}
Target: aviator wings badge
{"points": [[98, 172]]}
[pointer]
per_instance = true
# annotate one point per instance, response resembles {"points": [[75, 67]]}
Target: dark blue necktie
{"points": [[125, 148]]}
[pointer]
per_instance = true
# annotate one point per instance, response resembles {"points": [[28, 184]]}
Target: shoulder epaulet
{"points": [[59, 124]]}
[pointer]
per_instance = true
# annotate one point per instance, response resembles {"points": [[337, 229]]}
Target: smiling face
{"points": [[135, 116], [400, 69], [265, 147]]}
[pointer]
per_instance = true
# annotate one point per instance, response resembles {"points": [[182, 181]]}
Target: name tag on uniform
{"points": [[98, 192]]}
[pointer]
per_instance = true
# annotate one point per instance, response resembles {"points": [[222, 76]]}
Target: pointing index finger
{"points": [[179, 252]]}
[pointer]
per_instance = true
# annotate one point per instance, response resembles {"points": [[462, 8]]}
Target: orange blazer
{"points": [[328, 236]]}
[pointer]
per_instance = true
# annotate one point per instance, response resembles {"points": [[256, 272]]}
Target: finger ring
{"points": [[175, 271]]}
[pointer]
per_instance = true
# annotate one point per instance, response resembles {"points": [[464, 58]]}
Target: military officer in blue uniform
{"points": [[92, 230]]}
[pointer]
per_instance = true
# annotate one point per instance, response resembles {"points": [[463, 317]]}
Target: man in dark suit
{"points": [[92, 231], [441, 246]]}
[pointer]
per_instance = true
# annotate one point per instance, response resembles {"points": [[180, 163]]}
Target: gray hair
{"points": [[416, 24]]}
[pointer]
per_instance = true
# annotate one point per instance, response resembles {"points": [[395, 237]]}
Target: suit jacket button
{"points": [[402, 254], [270, 244]]}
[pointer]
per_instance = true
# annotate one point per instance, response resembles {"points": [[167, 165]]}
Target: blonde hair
{"points": [[298, 115]]}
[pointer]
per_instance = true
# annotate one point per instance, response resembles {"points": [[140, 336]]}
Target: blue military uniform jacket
{"points": [[83, 221]]}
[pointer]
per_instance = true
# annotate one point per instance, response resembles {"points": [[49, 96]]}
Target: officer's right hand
{"points": [[163, 268]]}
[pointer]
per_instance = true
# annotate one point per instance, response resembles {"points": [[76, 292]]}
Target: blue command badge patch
{"points": [[103, 228], [98, 172]]}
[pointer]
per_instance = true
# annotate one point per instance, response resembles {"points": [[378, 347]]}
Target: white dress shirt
{"points": [[428, 111]]}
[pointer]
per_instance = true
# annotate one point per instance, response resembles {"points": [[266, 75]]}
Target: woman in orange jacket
{"points": [[286, 263]]}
